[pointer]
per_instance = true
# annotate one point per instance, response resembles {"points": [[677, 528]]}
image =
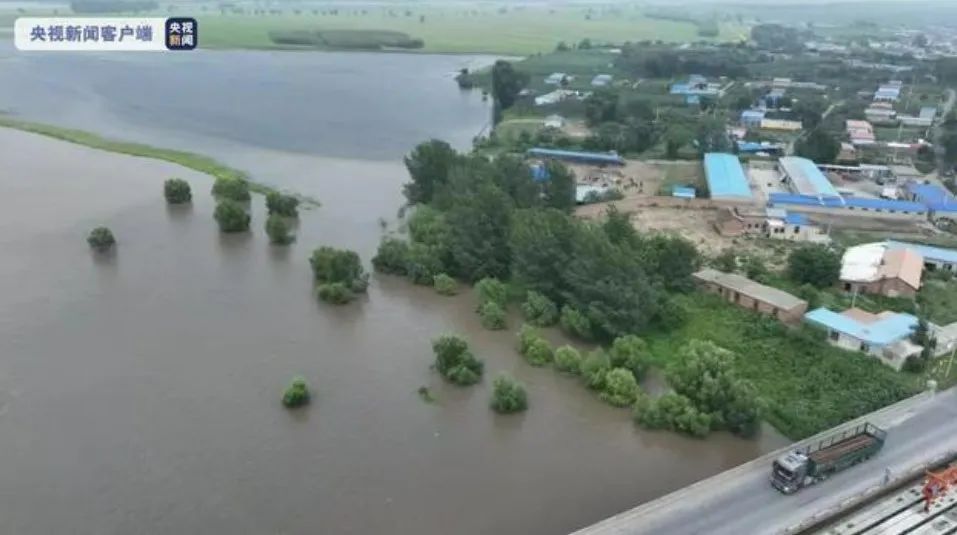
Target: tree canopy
{"points": [[176, 191], [814, 264], [231, 216], [507, 83], [818, 146]]}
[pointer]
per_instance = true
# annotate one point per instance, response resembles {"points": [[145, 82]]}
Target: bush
{"points": [[423, 263], [234, 189], [296, 394], [282, 204], [455, 362], [575, 323], [330, 265], [539, 353], [231, 216], [671, 411], [278, 230], [176, 191], [491, 290], [631, 353], [620, 388], [101, 238], [392, 257], [814, 264], [336, 293], [539, 310], [594, 368], [568, 360], [445, 285], [508, 395], [493, 316]]}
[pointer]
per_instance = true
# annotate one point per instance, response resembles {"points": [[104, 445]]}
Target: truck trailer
{"points": [[813, 463]]}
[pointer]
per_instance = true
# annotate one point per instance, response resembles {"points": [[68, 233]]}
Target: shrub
{"points": [[539, 310], [330, 265], [631, 353], [539, 353], [278, 230], [176, 191], [101, 238], [392, 257], [231, 216], [620, 388], [423, 263], [336, 293], [455, 362], [508, 395], [568, 360], [445, 285], [594, 368], [575, 323], [231, 188], [491, 290], [297, 393], [493, 316], [672, 411], [282, 204], [814, 264]]}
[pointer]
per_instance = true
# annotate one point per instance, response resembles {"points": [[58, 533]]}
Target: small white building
{"points": [[554, 121], [555, 78]]}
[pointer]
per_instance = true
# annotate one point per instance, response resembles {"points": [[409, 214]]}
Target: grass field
{"points": [[464, 28], [198, 162]]}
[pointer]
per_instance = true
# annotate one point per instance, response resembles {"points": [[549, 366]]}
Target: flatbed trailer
{"points": [[816, 462]]}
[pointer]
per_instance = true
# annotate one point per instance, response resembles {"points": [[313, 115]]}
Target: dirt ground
{"points": [[694, 225], [641, 178]]}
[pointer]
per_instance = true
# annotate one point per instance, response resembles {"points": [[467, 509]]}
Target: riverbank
{"points": [[197, 162]]}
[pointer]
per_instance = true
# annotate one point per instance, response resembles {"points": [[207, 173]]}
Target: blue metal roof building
{"points": [[852, 203], [796, 219], [934, 197], [683, 192], [805, 178], [578, 156], [725, 177], [893, 327], [751, 147], [935, 255]]}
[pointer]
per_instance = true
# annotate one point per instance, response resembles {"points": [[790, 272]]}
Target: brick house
{"points": [[751, 295]]}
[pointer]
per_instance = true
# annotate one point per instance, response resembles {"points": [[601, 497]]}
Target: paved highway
{"points": [[742, 501]]}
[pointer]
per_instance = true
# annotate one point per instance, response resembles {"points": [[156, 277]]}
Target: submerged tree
{"points": [[278, 230], [101, 239], [235, 189], [297, 393], [508, 395], [231, 216], [177, 191]]}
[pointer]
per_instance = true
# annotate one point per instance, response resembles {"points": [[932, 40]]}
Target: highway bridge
{"points": [[922, 432]]}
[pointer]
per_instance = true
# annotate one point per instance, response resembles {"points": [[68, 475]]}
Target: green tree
{"points": [[818, 146], [712, 136], [594, 368], [703, 373], [480, 221], [539, 353], [392, 257], [423, 263], [559, 190], [176, 191], [429, 164], [507, 83], [540, 241], [455, 362], [631, 353], [672, 411], [620, 388], [491, 290], [234, 189], [493, 316], [601, 107], [618, 227], [727, 261], [672, 259], [281, 204], [336, 293], [568, 360], [101, 239], [539, 310], [231, 216], [278, 230], [755, 269], [330, 265], [814, 264], [297, 393], [575, 323], [675, 138], [508, 395], [445, 285]]}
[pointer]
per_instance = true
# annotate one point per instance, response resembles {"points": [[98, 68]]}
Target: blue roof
{"points": [[758, 146], [539, 173], [948, 256], [935, 197], [598, 157], [846, 202], [807, 178], [725, 176], [795, 219], [895, 326], [680, 89], [684, 192], [752, 114], [692, 99]]}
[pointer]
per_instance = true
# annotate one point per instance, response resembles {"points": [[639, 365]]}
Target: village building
{"points": [[876, 269], [751, 295], [772, 223], [725, 177], [935, 258], [885, 335]]}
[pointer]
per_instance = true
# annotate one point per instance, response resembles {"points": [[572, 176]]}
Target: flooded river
{"points": [[139, 392]]}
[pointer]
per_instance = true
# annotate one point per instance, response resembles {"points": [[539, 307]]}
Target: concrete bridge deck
{"points": [[922, 431]]}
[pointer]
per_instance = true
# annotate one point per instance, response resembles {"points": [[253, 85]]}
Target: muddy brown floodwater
{"points": [[139, 391]]}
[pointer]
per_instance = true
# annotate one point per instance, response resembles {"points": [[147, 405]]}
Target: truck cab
{"points": [[789, 471]]}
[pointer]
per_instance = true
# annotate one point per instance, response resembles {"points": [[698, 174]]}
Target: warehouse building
{"points": [[874, 268], [885, 335], [726, 179], [850, 206], [751, 295], [935, 258], [804, 178], [595, 158], [940, 203]]}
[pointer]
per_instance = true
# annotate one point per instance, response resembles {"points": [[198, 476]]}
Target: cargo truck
{"points": [[808, 465]]}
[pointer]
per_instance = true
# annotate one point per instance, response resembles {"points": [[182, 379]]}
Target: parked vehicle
{"points": [[808, 465]]}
